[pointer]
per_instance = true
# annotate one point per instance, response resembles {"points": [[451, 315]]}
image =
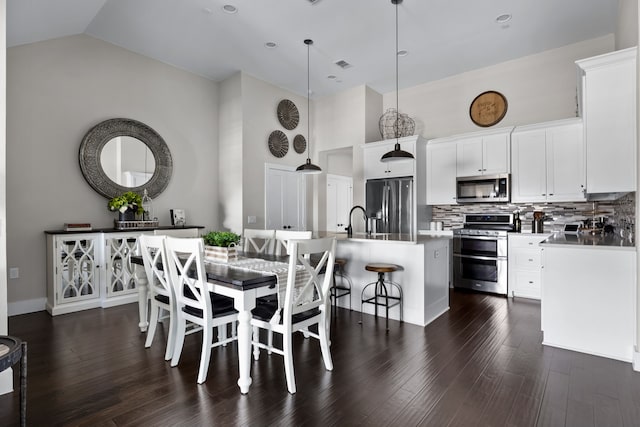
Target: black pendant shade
{"points": [[308, 167], [397, 154]]}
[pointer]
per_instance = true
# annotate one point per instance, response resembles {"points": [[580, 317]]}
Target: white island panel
{"points": [[424, 276]]}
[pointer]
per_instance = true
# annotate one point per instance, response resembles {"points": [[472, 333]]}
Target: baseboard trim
{"points": [[636, 360], [26, 306]]}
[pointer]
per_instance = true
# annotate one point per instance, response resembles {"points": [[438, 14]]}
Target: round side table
{"points": [[12, 351]]}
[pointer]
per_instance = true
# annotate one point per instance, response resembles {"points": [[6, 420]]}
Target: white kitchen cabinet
{"points": [[607, 100], [441, 172], [373, 152], [547, 162], [339, 202], [91, 269], [524, 265], [483, 153], [588, 299]]}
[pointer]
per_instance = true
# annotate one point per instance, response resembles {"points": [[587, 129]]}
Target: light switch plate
{"points": [[251, 219], [14, 273]]}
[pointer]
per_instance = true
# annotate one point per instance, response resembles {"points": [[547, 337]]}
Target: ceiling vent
{"points": [[343, 64], [313, 1]]}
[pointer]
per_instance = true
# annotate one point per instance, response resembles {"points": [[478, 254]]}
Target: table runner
{"points": [[281, 271]]}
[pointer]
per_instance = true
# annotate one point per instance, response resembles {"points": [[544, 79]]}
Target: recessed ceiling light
{"points": [[331, 77], [229, 8], [505, 17], [270, 45], [403, 52]]}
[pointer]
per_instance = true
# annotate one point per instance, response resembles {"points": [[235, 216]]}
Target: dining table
{"points": [[243, 285]]}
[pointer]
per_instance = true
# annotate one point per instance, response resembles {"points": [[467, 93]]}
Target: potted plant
{"points": [[127, 204], [220, 246]]}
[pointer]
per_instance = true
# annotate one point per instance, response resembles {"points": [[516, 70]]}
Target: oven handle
{"points": [[480, 237], [483, 258]]}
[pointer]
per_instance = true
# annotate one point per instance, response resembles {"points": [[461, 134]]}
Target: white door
{"points": [[339, 202], [284, 198]]}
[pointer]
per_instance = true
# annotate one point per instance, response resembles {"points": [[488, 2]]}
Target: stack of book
{"points": [[77, 226]]}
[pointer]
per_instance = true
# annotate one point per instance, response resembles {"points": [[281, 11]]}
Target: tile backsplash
{"points": [[620, 213]]}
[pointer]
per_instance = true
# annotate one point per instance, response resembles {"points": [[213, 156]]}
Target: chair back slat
{"points": [[307, 288], [258, 241], [185, 259], [282, 238], [153, 256]]}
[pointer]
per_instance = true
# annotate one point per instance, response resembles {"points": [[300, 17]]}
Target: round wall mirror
{"points": [[119, 155]]}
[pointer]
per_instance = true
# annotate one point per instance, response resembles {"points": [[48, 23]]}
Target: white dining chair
{"points": [[177, 232], [258, 241], [305, 303], [161, 297], [282, 238], [194, 302]]}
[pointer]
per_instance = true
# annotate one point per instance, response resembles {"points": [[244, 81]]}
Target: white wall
{"points": [[627, 24], [58, 90], [538, 88], [6, 377], [230, 162], [259, 119]]}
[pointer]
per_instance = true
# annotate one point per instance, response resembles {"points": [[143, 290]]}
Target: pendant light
{"points": [[308, 167], [397, 154]]}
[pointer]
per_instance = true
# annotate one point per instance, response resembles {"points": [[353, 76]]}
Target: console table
{"points": [[89, 269]]}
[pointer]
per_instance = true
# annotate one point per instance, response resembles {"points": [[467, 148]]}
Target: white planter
{"points": [[220, 254]]}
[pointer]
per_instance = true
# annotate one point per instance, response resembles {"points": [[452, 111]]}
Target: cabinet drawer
{"points": [[526, 241], [526, 284], [526, 259]]}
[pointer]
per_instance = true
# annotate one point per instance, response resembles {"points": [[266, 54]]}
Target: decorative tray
{"points": [[128, 225]]}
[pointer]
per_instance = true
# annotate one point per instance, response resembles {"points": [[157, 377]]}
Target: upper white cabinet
{"points": [[483, 153], [547, 162], [607, 86], [374, 168], [441, 172]]}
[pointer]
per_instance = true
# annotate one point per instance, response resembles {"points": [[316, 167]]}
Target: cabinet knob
{"points": [[530, 260], [551, 194], [543, 194], [479, 170]]}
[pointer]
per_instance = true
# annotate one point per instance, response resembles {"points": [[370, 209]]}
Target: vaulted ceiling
{"points": [[442, 37]]}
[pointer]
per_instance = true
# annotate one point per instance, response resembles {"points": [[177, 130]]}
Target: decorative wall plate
{"points": [[299, 144], [488, 108], [278, 143], [288, 114]]}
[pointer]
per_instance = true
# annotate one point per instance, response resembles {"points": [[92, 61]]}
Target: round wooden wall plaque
{"points": [[488, 108]]}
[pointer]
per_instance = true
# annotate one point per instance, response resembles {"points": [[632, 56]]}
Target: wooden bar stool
{"points": [[381, 295], [344, 288]]}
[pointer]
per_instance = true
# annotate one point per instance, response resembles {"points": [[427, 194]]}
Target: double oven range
{"points": [[480, 252]]}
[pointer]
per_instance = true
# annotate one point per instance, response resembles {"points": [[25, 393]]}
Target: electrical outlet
{"points": [[251, 219], [14, 273]]}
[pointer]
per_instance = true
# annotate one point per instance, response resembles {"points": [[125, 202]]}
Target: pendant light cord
{"points": [[308, 106], [397, 126]]}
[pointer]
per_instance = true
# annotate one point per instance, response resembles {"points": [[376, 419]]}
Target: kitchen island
{"points": [[423, 276], [588, 294]]}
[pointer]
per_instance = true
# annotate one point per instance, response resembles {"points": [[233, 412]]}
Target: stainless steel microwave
{"points": [[483, 189]]}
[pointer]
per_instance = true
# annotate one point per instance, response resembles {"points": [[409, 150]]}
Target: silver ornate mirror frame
{"points": [[97, 137]]}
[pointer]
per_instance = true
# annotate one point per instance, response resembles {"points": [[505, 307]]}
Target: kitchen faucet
{"points": [[364, 215]]}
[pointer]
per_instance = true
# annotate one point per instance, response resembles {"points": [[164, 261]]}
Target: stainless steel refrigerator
{"points": [[390, 201]]}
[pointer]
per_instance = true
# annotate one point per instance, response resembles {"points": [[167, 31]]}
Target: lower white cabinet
{"points": [[89, 270], [524, 265]]}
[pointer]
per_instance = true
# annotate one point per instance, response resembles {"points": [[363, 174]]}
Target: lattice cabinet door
{"points": [[76, 262], [120, 278]]}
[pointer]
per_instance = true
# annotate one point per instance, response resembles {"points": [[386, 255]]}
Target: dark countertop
{"points": [[115, 230], [600, 241]]}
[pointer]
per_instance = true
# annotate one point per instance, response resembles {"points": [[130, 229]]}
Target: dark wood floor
{"points": [[479, 364]]}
